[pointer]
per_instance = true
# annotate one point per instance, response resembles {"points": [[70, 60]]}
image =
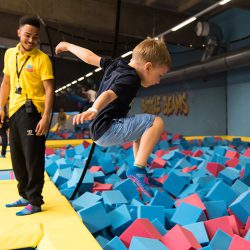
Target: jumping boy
{"points": [[120, 83]]}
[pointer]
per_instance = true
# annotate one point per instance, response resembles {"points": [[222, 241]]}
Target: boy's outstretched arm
{"points": [[102, 101], [84, 54]]}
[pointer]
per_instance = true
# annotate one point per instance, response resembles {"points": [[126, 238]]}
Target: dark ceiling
{"points": [[91, 23]]}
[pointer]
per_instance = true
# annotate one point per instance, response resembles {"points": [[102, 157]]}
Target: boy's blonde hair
{"points": [[154, 51]]}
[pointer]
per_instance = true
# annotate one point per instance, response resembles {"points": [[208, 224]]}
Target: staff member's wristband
{"points": [[93, 110]]}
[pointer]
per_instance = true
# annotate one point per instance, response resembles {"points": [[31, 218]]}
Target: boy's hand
{"points": [[61, 47], [89, 114]]}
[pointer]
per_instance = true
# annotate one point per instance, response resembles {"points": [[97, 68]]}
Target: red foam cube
{"points": [[217, 138], [197, 153], [95, 169], [49, 151], [222, 223], [234, 222], [101, 187], [162, 179], [79, 136], [127, 145], [177, 137], [180, 238], [161, 152], [239, 243], [158, 163], [232, 154], [140, 228], [192, 199], [233, 162], [247, 152], [189, 169], [187, 152], [85, 144], [240, 225], [214, 168], [164, 136]]}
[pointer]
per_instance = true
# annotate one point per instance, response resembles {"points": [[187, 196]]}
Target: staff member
{"points": [[28, 81]]}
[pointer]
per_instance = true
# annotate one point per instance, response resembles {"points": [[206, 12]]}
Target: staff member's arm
{"points": [[4, 94], [43, 125]]}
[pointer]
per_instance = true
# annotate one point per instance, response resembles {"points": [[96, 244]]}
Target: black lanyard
{"points": [[19, 72]]}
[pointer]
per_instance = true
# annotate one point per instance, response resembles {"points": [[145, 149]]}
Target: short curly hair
{"points": [[31, 20]]}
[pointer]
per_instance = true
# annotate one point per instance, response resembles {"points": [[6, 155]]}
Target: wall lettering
{"points": [[170, 104]]}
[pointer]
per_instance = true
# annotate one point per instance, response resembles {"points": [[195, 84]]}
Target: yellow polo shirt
{"points": [[37, 69]]}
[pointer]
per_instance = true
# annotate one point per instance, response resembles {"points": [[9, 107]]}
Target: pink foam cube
{"points": [[239, 243], [197, 153], [233, 162], [140, 228], [158, 163], [102, 187], [95, 169], [247, 152], [180, 238], [213, 225], [214, 168], [232, 154], [189, 169], [127, 145], [49, 151], [192, 199]]}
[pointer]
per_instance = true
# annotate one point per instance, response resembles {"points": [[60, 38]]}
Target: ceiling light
{"points": [[126, 54], [89, 74], [98, 69], [224, 2], [190, 20], [80, 79]]}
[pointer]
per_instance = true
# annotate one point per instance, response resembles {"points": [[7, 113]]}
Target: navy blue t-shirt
{"points": [[124, 81]]}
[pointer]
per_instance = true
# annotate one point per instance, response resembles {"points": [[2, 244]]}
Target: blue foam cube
{"points": [[61, 176], [162, 230], [152, 212], [102, 240], [175, 183], [162, 199], [132, 211], [240, 207], [115, 244], [86, 200], [187, 214], [146, 244], [113, 197], [120, 219], [168, 215], [229, 175], [92, 215], [221, 240], [70, 153], [239, 187], [199, 231], [216, 209], [79, 149], [51, 167], [128, 189], [221, 191]]}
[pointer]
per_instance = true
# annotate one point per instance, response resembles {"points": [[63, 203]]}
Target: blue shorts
{"points": [[126, 129]]}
